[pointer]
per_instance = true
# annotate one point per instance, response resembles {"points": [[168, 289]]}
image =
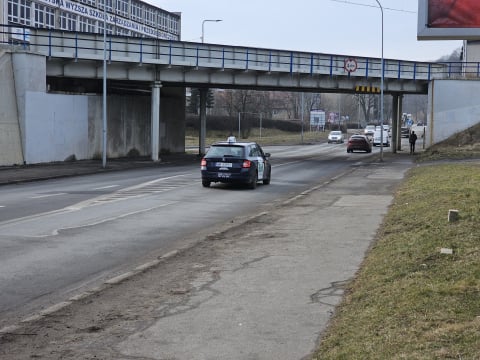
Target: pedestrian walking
{"points": [[412, 139]]}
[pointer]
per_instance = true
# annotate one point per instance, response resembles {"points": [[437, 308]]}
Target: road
{"points": [[60, 237], [262, 284]]}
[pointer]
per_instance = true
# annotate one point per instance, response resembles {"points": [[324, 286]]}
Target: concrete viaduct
{"points": [[56, 62]]}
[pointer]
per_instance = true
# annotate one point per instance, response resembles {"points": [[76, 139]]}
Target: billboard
{"points": [[448, 20]]}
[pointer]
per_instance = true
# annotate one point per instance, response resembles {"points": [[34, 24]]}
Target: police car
{"points": [[236, 163]]}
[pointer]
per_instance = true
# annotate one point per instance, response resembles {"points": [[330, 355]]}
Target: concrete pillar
{"points": [[394, 122], [399, 125], [203, 121], [155, 121]]}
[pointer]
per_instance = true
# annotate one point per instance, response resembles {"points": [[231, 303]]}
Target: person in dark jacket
{"points": [[412, 139]]}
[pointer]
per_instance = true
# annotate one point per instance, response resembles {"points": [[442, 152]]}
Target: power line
{"points": [[374, 6]]}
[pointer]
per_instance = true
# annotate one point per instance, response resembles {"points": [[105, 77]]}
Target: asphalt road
{"points": [[261, 285], [62, 236]]}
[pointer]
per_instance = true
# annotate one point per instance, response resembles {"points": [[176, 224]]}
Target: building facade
{"points": [[121, 17]]}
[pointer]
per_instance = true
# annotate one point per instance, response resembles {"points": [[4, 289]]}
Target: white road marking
{"points": [[47, 195], [106, 187], [110, 219]]}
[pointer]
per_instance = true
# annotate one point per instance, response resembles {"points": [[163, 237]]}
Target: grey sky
{"points": [[348, 27]]}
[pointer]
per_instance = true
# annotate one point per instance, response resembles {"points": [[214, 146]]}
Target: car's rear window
{"points": [[225, 151]]}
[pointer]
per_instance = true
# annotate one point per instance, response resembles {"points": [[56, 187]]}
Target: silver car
{"points": [[336, 137]]}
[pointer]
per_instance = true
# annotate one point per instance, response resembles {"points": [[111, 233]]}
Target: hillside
{"points": [[464, 145]]}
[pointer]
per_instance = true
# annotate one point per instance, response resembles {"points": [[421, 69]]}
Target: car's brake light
{"points": [[203, 164], [246, 164]]}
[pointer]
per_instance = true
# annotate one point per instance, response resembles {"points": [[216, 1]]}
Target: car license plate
{"points": [[223, 165], [224, 175]]}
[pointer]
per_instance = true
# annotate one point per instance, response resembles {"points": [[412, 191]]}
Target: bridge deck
{"points": [[229, 66]]}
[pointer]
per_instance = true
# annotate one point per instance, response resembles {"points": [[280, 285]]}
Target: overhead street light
{"points": [[203, 26]]}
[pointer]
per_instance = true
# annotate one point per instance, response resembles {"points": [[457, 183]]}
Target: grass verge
{"points": [[268, 137], [409, 300]]}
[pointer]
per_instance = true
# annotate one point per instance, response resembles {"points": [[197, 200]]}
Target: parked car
{"points": [[377, 137], [336, 137], [359, 143], [236, 163], [369, 130]]}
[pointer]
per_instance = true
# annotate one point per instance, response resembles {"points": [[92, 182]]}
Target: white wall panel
{"points": [[56, 127], [456, 107]]}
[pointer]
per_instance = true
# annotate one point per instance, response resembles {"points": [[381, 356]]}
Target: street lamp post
{"points": [[104, 96], [381, 90], [203, 26]]}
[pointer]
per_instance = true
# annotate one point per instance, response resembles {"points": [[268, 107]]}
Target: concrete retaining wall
{"points": [[37, 126], [56, 127], [453, 106]]}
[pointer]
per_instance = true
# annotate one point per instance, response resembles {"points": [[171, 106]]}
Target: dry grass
{"points": [[410, 301], [464, 145], [268, 137]]}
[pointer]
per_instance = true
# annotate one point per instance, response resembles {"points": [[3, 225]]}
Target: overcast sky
{"points": [[347, 27]]}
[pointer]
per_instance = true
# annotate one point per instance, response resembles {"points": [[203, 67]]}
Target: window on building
{"points": [[151, 17], [44, 16], [86, 24], [136, 11], [109, 28], [174, 29], [121, 8], [68, 21], [107, 4], [163, 21], [88, 2], [19, 11]]}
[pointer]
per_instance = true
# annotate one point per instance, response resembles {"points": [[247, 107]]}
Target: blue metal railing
{"points": [[62, 44]]}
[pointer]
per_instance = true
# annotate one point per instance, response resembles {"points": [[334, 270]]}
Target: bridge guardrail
{"points": [[77, 45]]}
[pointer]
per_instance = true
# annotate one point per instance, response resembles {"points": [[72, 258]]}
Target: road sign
{"points": [[350, 65]]}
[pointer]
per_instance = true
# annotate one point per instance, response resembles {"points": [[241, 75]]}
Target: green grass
{"points": [[410, 301], [269, 137]]}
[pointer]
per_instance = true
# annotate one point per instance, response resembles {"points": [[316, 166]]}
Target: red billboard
{"points": [[454, 13], [448, 19]]}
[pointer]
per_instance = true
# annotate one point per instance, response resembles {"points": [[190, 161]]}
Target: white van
{"points": [[377, 141]]}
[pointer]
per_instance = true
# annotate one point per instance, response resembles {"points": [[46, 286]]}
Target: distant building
{"points": [[124, 17]]}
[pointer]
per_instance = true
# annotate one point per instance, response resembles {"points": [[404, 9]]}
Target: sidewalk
{"points": [[263, 288], [24, 173]]}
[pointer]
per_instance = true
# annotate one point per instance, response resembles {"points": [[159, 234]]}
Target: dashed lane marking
{"points": [[150, 187], [47, 195], [106, 187]]}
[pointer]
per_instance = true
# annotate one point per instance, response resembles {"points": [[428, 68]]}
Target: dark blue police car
{"points": [[236, 162]]}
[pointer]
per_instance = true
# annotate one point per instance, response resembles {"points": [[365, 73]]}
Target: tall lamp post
{"points": [[104, 115], [381, 91], [203, 26]]}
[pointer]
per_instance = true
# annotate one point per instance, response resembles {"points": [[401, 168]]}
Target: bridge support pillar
{"points": [[395, 122], [399, 123], [155, 120], [203, 121]]}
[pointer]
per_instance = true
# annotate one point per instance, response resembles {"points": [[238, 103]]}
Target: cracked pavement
{"points": [[262, 289]]}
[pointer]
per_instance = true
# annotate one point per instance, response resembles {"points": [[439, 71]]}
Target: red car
{"points": [[359, 143]]}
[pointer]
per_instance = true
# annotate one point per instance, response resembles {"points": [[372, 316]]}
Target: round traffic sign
{"points": [[350, 65]]}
